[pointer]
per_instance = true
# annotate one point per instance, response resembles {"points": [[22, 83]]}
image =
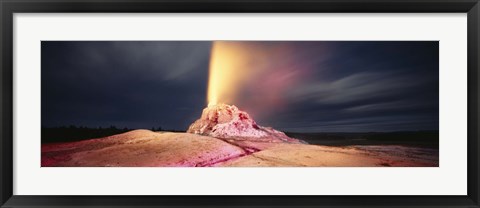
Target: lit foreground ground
{"points": [[144, 148]]}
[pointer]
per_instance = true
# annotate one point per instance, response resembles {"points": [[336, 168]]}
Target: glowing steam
{"points": [[256, 76], [227, 71]]}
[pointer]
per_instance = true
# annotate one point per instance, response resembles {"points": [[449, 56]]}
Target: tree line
{"points": [[76, 133]]}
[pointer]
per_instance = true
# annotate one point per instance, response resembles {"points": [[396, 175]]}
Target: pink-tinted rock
{"points": [[144, 148], [141, 148], [227, 121]]}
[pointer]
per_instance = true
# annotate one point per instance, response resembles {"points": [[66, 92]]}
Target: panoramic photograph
{"points": [[240, 104]]}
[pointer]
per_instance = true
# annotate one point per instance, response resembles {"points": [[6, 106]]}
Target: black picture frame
{"points": [[9, 7]]}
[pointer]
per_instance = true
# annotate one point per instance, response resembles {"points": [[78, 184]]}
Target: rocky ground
{"points": [[225, 136], [144, 148]]}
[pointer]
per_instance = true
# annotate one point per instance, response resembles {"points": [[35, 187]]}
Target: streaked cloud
{"points": [[309, 86]]}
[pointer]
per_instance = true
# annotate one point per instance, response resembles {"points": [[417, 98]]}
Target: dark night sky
{"points": [[349, 86]]}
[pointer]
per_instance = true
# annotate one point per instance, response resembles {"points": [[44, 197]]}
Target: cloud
{"points": [[355, 87], [295, 85], [385, 106], [138, 84], [160, 60]]}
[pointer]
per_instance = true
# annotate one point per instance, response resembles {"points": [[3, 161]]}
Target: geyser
{"points": [[227, 121], [231, 70]]}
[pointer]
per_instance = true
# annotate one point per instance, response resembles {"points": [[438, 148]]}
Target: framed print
{"points": [[246, 104]]}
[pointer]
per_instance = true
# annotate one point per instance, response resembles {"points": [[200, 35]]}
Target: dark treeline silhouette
{"points": [[427, 138], [74, 133], [408, 138]]}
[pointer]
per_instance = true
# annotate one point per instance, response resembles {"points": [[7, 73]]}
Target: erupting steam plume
{"points": [[255, 76], [230, 68], [227, 71]]}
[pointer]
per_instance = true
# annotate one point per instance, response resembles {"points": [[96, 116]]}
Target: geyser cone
{"points": [[227, 121]]}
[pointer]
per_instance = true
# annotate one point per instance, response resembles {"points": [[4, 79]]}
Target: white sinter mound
{"points": [[227, 121]]}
